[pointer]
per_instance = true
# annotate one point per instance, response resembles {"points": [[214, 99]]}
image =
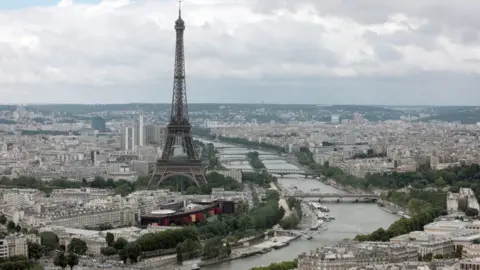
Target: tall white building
{"points": [[127, 139], [13, 245], [154, 134], [139, 130]]}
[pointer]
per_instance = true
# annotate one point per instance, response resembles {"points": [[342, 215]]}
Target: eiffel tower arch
{"points": [[179, 129]]}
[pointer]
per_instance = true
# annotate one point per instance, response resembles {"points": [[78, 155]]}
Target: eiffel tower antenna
{"points": [[180, 8], [179, 129]]}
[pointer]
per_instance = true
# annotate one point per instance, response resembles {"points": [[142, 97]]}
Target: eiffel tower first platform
{"points": [[179, 128]]}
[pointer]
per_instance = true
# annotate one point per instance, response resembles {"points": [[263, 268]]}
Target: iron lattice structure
{"points": [[179, 128]]}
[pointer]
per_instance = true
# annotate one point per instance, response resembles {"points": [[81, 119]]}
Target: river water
{"points": [[350, 218]]}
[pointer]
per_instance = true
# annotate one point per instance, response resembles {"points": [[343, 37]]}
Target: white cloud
{"points": [[118, 43]]}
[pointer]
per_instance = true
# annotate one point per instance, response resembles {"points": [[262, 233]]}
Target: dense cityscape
{"points": [[81, 182], [238, 186]]}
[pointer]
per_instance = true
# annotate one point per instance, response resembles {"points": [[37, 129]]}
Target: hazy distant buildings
{"points": [[98, 123], [335, 119], [357, 118]]}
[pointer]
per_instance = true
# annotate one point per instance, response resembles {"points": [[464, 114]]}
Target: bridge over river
{"points": [[283, 172], [336, 197], [242, 159]]}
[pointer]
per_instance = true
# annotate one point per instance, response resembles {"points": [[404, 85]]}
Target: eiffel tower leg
{"points": [[188, 146], [167, 151], [154, 175]]}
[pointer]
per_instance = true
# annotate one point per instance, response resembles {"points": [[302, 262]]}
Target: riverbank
{"points": [[393, 208], [264, 247]]}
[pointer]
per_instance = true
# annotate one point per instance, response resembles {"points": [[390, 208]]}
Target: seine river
{"points": [[351, 219]]}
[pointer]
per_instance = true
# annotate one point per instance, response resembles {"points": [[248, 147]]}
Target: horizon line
{"points": [[241, 103]]}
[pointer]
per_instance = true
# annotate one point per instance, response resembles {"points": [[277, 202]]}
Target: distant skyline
{"points": [[290, 51]]}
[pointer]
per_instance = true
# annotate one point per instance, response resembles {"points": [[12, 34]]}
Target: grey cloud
{"points": [[271, 41], [445, 16], [403, 38], [386, 52], [470, 37], [126, 55]]}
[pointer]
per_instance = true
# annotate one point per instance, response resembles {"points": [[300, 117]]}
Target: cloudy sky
{"points": [[242, 51]]}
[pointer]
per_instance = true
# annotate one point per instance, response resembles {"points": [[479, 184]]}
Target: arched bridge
{"points": [[283, 172], [359, 196], [239, 159]]}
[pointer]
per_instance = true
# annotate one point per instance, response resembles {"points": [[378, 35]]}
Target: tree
{"points": [[18, 228], [428, 257], [3, 219], [77, 246], [415, 206], [33, 231], [188, 249], [471, 212], [108, 251], [438, 256], [287, 265], [440, 182], [35, 251], [49, 241], [72, 260], [212, 248], [10, 225], [123, 254], [120, 243], [458, 252], [124, 189], [60, 260], [133, 251], [110, 238], [98, 182]]}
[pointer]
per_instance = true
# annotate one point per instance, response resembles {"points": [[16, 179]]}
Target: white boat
{"points": [[329, 218], [319, 214], [316, 225], [323, 208]]}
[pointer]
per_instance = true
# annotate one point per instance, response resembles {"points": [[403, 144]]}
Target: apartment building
{"points": [[17, 245], [81, 193], [3, 249], [462, 200], [336, 258], [469, 264], [86, 217], [471, 251]]}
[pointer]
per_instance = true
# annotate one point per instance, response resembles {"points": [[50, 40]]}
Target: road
{"points": [[248, 194], [283, 203]]}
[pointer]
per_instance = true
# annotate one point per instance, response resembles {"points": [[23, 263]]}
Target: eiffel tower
{"points": [[179, 156]]}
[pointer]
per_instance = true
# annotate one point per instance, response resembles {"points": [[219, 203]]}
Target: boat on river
{"points": [[328, 218], [319, 206], [317, 224]]}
